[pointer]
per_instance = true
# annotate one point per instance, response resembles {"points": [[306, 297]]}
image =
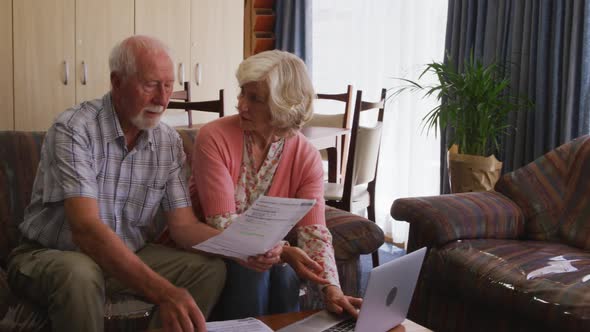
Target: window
{"points": [[368, 44]]}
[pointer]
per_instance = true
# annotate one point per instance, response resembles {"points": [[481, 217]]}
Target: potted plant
{"points": [[474, 107]]}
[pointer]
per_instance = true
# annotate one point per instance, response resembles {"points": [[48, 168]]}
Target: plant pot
{"points": [[472, 173]]}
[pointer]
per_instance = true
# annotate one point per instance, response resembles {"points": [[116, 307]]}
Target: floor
{"points": [[387, 252]]}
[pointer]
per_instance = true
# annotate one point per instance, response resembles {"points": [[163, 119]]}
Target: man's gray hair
{"points": [[123, 56]]}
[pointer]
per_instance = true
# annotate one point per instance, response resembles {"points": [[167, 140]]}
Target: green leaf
{"points": [[474, 103]]}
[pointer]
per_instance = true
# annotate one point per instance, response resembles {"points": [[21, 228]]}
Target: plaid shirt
{"points": [[85, 155]]}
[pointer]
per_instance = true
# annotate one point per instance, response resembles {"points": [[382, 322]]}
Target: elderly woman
{"points": [[260, 151]]}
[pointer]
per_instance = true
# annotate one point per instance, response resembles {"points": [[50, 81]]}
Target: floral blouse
{"points": [[315, 240]]}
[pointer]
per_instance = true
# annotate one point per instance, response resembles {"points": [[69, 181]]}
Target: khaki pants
{"points": [[72, 286]]}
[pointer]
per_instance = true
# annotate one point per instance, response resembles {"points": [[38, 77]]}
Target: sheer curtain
{"points": [[368, 44]]}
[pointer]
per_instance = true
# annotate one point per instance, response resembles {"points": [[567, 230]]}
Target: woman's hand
{"points": [[338, 303], [263, 262], [304, 266]]}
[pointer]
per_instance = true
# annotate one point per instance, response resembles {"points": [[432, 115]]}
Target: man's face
{"points": [[143, 96]]}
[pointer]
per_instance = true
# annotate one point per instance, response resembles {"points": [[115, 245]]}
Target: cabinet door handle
{"points": [[198, 74], [84, 73], [66, 72], [181, 73]]}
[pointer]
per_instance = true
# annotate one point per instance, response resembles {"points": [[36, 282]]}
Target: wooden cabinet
{"points": [[206, 38], [170, 22], [55, 52], [61, 50], [216, 49], [99, 25], [44, 52], [6, 96]]}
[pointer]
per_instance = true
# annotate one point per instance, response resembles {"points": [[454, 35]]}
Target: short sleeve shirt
{"points": [[85, 155]]}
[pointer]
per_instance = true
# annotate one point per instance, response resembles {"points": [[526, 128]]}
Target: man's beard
{"points": [[142, 122]]}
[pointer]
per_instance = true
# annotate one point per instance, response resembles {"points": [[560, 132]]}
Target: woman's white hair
{"points": [[290, 89], [123, 56]]}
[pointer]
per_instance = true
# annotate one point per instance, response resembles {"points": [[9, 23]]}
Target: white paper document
{"points": [[238, 325], [258, 229]]}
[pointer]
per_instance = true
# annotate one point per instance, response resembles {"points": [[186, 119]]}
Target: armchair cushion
{"points": [[20, 155], [442, 219], [552, 193], [575, 225], [5, 294], [516, 272], [539, 189], [351, 234]]}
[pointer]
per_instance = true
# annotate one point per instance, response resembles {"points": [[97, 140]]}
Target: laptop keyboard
{"points": [[344, 326]]}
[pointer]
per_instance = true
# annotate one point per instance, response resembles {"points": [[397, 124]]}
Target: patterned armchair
{"points": [[514, 259], [19, 157]]}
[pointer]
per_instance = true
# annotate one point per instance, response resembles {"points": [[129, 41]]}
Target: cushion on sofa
{"points": [[575, 222], [530, 275], [351, 237], [5, 294], [20, 156], [445, 218], [188, 137], [539, 189]]}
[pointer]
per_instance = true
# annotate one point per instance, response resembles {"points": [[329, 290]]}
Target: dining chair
{"points": [[357, 192], [184, 94], [213, 106], [343, 103]]}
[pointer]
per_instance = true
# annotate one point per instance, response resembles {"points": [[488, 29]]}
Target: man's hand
{"points": [[179, 312], [263, 262], [304, 266], [178, 309], [337, 302]]}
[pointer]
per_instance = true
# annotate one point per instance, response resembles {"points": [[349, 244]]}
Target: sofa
{"points": [[19, 156], [513, 259]]}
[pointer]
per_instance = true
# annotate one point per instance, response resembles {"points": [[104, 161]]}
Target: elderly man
{"points": [[106, 166]]}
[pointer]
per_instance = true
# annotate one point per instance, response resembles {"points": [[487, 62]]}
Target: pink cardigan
{"points": [[216, 161]]}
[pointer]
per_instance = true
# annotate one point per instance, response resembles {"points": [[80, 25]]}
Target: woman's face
{"points": [[253, 108]]}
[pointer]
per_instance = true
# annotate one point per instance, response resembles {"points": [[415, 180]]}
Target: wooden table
{"points": [[276, 322], [329, 139]]}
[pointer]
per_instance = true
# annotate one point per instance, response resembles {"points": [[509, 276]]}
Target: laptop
{"points": [[385, 304]]}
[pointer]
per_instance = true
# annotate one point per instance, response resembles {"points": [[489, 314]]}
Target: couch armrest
{"points": [[437, 220], [5, 293], [352, 235]]}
